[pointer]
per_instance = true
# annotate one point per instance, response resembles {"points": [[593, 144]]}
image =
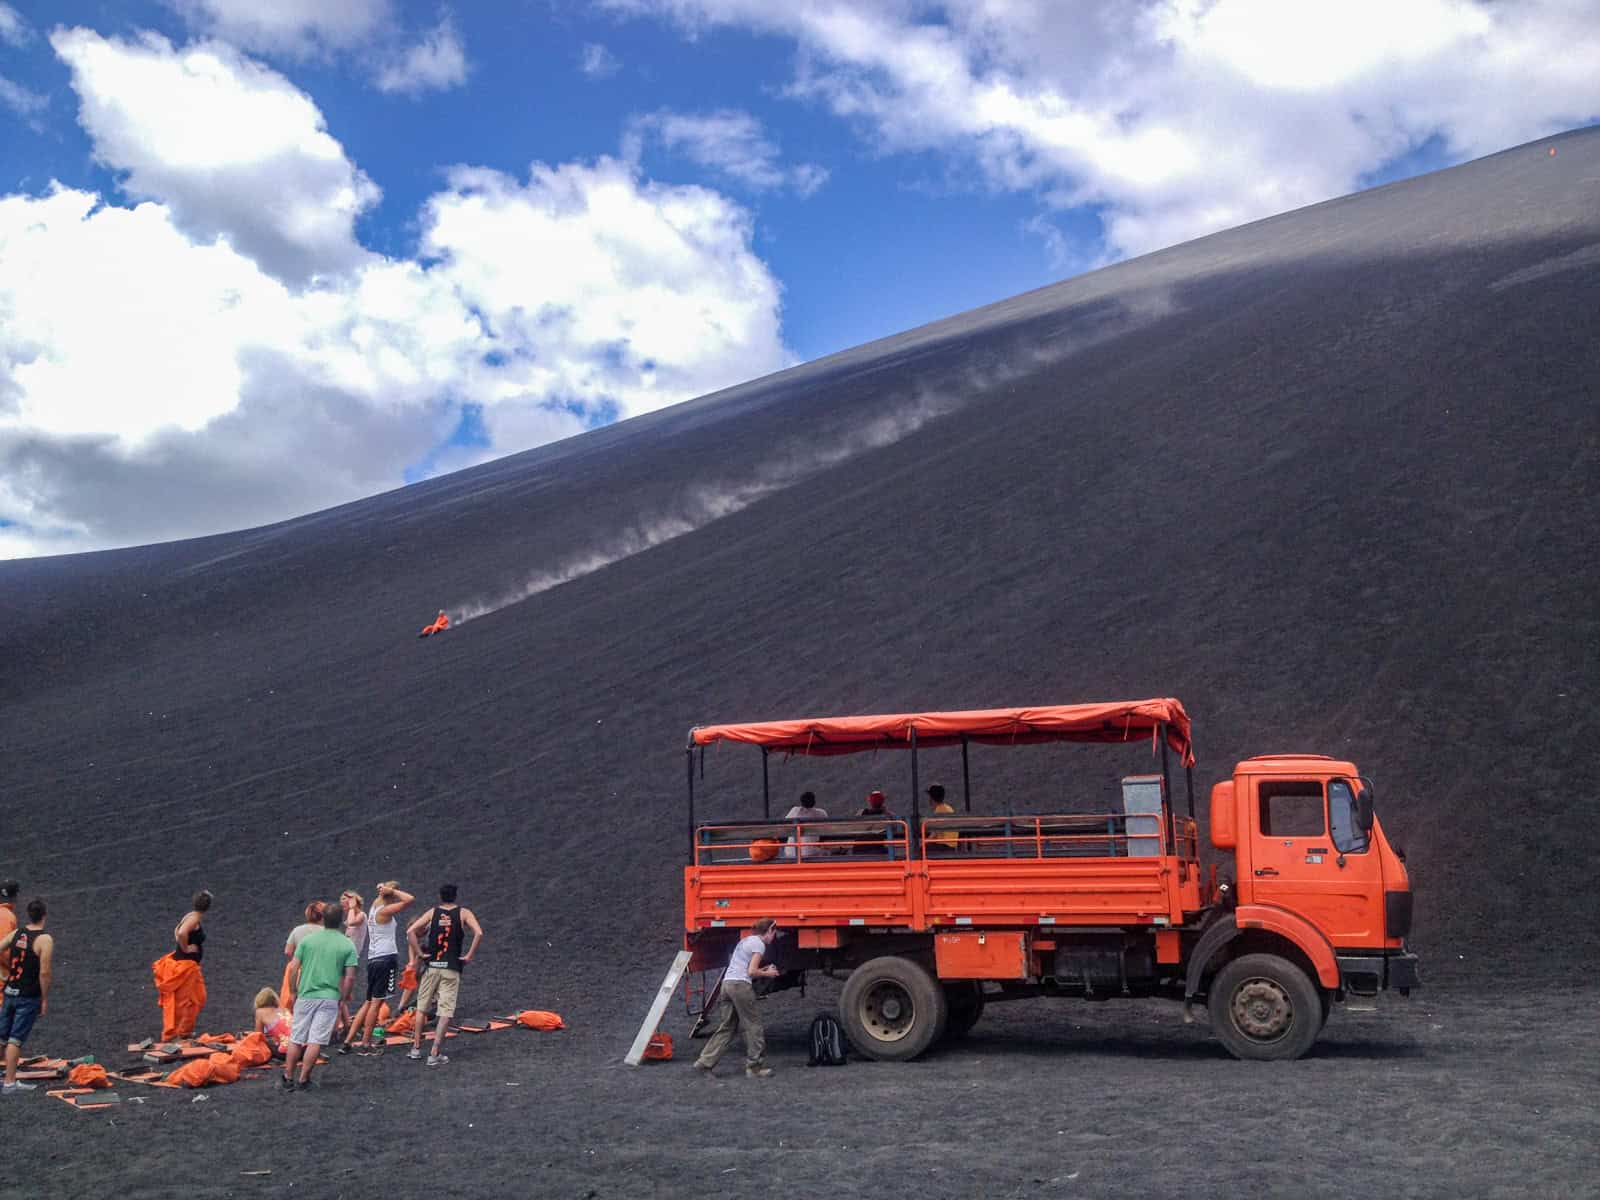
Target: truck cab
{"points": [[1309, 851]]}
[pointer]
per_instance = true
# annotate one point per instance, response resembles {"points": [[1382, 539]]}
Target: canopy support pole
{"points": [[1166, 802], [690, 756], [913, 834], [966, 778], [1188, 779], [766, 793]]}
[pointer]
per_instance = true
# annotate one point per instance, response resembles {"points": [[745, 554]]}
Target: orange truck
{"points": [[929, 918]]}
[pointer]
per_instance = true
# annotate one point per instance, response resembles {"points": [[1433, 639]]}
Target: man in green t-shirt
{"points": [[322, 973]]}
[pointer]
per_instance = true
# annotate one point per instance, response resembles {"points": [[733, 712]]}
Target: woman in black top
{"points": [[180, 987]]}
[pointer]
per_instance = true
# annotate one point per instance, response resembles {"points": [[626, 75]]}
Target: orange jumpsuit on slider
{"points": [[439, 625]]}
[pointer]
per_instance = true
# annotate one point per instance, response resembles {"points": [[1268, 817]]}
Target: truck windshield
{"points": [[1348, 836]]}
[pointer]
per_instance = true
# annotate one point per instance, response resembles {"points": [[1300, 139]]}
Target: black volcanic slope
{"points": [[1330, 478]]}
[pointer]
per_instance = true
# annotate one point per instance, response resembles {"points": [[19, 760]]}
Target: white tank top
{"points": [[381, 937]]}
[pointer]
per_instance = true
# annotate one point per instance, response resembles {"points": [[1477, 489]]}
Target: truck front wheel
{"points": [[1264, 1008], [892, 1009]]}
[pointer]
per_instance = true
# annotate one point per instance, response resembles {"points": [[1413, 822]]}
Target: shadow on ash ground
{"points": [[1448, 1094]]}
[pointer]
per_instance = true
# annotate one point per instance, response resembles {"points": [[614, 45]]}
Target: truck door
{"points": [[1320, 868]]}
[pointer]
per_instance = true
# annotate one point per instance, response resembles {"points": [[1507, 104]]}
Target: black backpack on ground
{"points": [[828, 1047]]}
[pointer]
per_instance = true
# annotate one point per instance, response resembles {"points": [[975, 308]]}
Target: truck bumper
{"points": [[1368, 974]]}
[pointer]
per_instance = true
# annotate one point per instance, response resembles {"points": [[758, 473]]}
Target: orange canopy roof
{"points": [[1119, 721]]}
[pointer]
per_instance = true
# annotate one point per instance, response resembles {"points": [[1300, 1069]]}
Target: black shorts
{"points": [[383, 977]]}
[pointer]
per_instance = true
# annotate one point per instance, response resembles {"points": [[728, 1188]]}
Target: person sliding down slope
{"points": [[439, 625]]}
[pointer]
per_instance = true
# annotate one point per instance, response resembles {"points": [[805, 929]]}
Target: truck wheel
{"points": [[1264, 1008], [892, 1009], [965, 1002]]}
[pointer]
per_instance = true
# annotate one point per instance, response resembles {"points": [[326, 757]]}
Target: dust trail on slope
{"points": [[801, 458], [701, 505]]}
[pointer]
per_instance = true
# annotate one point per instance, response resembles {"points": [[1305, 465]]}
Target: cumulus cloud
{"points": [[729, 142], [162, 375], [435, 63], [233, 149], [294, 27], [598, 287], [597, 62], [1180, 117]]}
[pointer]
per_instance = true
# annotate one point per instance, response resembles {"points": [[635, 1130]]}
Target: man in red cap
{"points": [[878, 809]]}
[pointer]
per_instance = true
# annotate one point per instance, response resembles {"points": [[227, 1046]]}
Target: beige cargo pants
{"points": [[736, 1010]]}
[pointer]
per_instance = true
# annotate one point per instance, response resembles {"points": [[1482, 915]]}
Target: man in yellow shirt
{"points": [[941, 841]]}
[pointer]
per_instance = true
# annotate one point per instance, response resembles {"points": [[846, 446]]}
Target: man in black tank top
{"points": [[26, 958], [435, 939]]}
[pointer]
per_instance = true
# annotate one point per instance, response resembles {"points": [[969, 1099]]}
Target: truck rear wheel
{"points": [[892, 1009], [965, 1002], [1264, 1008]]}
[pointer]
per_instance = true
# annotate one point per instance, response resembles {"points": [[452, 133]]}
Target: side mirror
{"points": [[1364, 809]]}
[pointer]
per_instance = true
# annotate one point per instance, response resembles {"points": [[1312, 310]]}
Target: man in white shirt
{"points": [[806, 810], [736, 1009]]}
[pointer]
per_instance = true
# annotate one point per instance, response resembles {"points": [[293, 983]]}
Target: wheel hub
{"points": [[1262, 1010], [887, 1011]]}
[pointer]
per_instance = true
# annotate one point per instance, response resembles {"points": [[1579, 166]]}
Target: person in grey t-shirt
{"points": [[736, 1009]]}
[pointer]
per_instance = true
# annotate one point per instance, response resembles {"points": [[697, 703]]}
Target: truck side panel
{"points": [[1062, 891], [822, 893]]}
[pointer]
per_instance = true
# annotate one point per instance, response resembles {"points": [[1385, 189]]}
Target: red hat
{"points": [[878, 796]]}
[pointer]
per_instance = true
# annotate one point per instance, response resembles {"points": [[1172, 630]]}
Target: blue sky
{"points": [[406, 237]]}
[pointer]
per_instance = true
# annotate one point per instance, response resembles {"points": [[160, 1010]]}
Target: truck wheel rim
{"points": [[1262, 1010], [887, 1011]]}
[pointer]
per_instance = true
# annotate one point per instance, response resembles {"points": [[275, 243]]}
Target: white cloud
{"points": [[20, 100], [1179, 117], [435, 63], [157, 380], [603, 289], [294, 27], [729, 142], [14, 31], [232, 148], [597, 62]]}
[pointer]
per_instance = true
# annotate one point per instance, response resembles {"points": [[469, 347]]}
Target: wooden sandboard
{"points": [[86, 1099]]}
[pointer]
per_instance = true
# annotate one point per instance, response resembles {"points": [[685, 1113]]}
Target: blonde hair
{"points": [[266, 998], [356, 896]]}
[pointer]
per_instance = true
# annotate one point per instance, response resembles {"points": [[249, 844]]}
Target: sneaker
{"points": [[438, 1060], [414, 1053], [758, 1072], [286, 1083], [12, 1089], [344, 1047], [305, 1085]]}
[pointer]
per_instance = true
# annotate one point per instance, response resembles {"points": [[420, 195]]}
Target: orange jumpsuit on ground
{"points": [[181, 990], [439, 625]]}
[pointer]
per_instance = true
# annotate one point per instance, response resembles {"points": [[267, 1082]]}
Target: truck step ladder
{"points": [[658, 1006], [708, 1001]]}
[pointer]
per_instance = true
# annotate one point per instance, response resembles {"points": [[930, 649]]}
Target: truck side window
{"points": [[1292, 808], [1348, 837]]}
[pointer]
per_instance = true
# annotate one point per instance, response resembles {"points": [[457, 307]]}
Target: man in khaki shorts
{"points": [[435, 939]]}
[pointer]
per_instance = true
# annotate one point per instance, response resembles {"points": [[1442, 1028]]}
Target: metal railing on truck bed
{"points": [[1051, 869]]}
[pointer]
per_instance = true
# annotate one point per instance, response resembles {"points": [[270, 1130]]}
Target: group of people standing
{"points": [[311, 1007]]}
